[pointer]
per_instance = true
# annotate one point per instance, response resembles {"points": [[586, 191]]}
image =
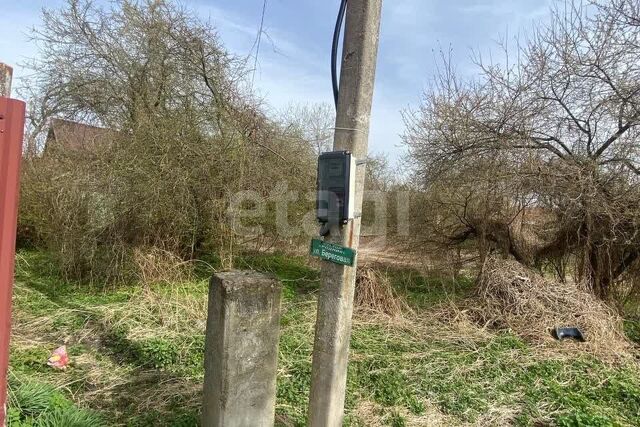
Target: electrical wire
{"points": [[259, 39], [334, 51]]}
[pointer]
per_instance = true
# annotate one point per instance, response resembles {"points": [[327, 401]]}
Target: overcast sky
{"points": [[294, 58]]}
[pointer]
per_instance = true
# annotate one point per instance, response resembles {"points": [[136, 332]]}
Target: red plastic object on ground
{"points": [[59, 358], [12, 114]]}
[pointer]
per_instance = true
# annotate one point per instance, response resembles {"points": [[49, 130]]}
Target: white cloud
{"points": [[293, 64]]}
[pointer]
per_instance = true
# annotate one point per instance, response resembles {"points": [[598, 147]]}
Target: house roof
{"points": [[77, 136]]}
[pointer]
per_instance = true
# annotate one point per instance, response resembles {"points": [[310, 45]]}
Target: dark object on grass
{"points": [[562, 333]]}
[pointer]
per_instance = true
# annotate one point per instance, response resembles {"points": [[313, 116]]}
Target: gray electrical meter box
{"points": [[336, 187]]}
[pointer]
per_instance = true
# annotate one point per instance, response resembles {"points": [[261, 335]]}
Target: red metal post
{"points": [[12, 115]]}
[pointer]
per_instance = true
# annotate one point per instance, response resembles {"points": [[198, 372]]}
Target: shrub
{"points": [[178, 138]]}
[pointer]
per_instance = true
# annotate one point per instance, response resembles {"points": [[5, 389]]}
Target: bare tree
{"points": [[538, 157], [313, 122]]}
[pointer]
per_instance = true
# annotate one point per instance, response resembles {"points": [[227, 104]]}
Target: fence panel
{"points": [[12, 114]]}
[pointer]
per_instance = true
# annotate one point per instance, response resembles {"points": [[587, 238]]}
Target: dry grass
{"points": [[375, 415], [374, 294], [512, 297], [167, 312], [154, 312], [432, 367], [156, 265]]}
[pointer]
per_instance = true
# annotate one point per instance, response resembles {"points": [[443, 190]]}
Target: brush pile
{"points": [[154, 265], [374, 293], [514, 298]]}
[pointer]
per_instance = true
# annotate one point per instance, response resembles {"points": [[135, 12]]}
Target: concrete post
{"points": [[6, 74], [241, 350], [335, 300]]}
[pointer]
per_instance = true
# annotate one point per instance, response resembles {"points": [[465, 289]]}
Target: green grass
{"points": [[427, 291], [632, 329], [33, 404], [296, 276], [137, 358]]}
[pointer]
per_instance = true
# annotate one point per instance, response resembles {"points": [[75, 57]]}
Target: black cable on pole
{"points": [[334, 50]]}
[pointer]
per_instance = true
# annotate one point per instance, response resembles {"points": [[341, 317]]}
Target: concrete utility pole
{"points": [[335, 301]]}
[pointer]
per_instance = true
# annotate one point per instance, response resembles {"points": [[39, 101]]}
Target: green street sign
{"points": [[333, 253]]}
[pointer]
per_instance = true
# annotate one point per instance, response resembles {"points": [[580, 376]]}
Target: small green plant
{"points": [[29, 359], [396, 420], [157, 353], [580, 419], [40, 405], [632, 329], [32, 399], [69, 417]]}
